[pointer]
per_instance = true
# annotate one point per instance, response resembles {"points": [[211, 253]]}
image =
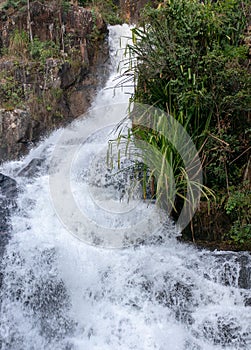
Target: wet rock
{"points": [[244, 280], [8, 186], [247, 301], [234, 269], [15, 132], [223, 331], [180, 299], [67, 75], [8, 193], [39, 293], [4, 217], [4, 239], [32, 168]]}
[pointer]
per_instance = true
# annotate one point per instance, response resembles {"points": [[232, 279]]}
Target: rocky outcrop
{"points": [[39, 92], [16, 128], [51, 20], [131, 9]]}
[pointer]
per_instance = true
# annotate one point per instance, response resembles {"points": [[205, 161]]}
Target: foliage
{"points": [[22, 85], [240, 233], [41, 50], [11, 92], [238, 206], [189, 59], [19, 44], [14, 4], [108, 10], [19, 84], [65, 5], [171, 166], [14, 86]]}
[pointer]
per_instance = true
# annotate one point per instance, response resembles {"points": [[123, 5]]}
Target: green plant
{"points": [[66, 5], [11, 92], [108, 9], [184, 63], [240, 234], [19, 42], [41, 50], [188, 58], [238, 207], [21, 46], [14, 4], [163, 157]]}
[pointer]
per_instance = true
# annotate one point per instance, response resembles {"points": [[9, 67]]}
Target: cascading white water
{"points": [[60, 293]]}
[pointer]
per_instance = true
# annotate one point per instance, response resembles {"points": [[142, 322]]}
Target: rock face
{"points": [[131, 8], [16, 129], [38, 94], [8, 193], [51, 21], [8, 187]]}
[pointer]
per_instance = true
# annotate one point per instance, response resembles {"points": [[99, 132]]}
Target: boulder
{"points": [[31, 169]]}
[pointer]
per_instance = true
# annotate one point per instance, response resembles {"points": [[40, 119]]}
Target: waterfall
{"points": [[64, 287]]}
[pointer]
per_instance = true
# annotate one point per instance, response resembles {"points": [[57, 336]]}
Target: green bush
{"points": [[14, 4], [41, 50], [108, 10], [238, 207], [11, 92], [189, 59]]}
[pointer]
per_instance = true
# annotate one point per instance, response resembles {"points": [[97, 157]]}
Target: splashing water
{"points": [[60, 293]]}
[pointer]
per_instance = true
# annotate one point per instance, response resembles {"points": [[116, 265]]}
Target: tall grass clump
{"points": [[19, 44]]}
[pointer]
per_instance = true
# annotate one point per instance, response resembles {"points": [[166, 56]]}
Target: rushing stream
{"points": [[58, 292]]}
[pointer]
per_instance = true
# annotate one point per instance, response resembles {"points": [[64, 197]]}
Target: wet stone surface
{"points": [[8, 193], [32, 168]]}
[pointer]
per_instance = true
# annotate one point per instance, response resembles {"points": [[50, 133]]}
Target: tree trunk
{"points": [[29, 21]]}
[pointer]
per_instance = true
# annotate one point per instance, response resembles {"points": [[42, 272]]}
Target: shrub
{"points": [[41, 50], [19, 43], [189, 59]]}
